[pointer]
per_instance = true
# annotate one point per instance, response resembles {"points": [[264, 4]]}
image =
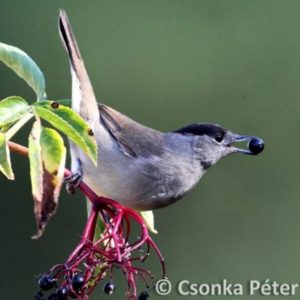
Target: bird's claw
{"points": [[72, 181]]}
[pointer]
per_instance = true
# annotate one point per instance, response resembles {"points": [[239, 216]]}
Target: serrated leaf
{"points": [[12, 109], [5, 164], [46, 148], [71, 124], [148, 217], [25, 67]]}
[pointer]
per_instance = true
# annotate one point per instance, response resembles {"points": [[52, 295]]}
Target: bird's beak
{"points": [[255, 145]]}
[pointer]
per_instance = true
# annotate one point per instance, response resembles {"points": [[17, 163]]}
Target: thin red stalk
{"points": [[128, 228], [87, 235], [89, 230]]}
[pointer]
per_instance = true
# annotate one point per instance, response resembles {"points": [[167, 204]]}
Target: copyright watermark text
{"points": [[225, 288]]}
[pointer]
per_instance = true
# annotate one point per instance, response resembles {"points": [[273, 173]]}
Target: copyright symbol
{"points": [[163, 287]]}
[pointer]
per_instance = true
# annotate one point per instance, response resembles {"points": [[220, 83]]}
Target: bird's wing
{"points": [[83, 97], [133, 138]]}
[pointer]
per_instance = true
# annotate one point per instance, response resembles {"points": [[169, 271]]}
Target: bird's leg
{"points": [[73, 181]]}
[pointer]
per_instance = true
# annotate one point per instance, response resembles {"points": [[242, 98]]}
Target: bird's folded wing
{"points": [[133, 138]]}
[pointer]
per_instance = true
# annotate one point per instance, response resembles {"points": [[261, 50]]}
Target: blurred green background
{"points": [[167, 64]]}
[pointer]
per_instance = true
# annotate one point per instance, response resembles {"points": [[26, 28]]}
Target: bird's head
{"points": [[212, 142]]}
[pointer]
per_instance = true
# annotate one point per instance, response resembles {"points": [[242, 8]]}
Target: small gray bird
{"points": [[138, 166]]}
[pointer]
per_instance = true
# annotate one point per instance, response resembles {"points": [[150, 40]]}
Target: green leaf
{"points": [[5, 164], [53, 152], [70, 123], [25, 67], [47, 161], [35, 161], [12, 109], [148, 216], [18, 125]]}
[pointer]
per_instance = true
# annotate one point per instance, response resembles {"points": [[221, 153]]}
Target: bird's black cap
{"points": [[201, 129]]}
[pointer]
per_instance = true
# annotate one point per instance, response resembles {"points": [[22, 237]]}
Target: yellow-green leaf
{"points": [[5, 164], [148, 217], [25, 67], [12, 109], [17, 126], [46, 147], [35, 161], [70, 123]]}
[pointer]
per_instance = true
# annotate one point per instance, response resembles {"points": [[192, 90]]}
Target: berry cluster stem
{"points": [[112, 249]]}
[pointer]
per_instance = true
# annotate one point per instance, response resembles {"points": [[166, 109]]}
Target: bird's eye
{"points": [[219, 137]]}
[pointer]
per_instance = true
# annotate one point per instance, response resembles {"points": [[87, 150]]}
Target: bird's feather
{"points": [[134, 139], [83, 97]]}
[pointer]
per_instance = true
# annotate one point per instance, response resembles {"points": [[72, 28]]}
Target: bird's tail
{"points": [[83, 97]]}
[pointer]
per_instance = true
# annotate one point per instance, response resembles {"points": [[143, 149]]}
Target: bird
{"points": [[138, 166]]}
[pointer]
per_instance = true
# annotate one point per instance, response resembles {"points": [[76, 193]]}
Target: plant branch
{"points": [[17, 148]]}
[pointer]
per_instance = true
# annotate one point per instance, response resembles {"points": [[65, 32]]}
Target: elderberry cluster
{"points": [[94, 259], [72, 287]]}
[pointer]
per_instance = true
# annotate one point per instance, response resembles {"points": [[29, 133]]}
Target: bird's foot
{"points": [[72, 181]]}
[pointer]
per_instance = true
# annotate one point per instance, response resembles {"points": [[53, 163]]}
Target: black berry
{"points": [[46, 282], [77, 282], [256, 145], [62, 293], [109, 288], [143, 296]]}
